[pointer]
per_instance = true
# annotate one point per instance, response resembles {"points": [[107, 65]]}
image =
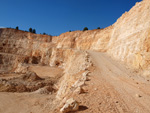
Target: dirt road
{"points": [[113, 88]]}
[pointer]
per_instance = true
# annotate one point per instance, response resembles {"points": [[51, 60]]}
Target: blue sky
{"points": [[58, 16]]}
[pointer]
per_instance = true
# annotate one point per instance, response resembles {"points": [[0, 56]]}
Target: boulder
{"points": [[70, 105], [79, 90]]}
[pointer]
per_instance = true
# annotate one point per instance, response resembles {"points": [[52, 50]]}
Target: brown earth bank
{"points": [[95, 71]]}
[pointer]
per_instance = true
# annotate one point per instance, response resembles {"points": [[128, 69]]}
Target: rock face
{"points": [[84, 40], [128, 40], [21, 47]]}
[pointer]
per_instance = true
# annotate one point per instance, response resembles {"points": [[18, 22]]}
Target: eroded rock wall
{"points": [[23, 47], [85, 40], [130, 40]]}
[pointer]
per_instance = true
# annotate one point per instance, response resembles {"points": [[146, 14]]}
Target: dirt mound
{"points": [[26, 83], [31, 76]]}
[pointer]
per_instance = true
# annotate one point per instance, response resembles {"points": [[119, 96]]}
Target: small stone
{"points": [[79, 90], [95, 89], [43, 90], [138, 95], [117, 102]]}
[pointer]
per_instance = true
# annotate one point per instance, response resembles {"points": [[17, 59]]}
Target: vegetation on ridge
{"points": [[85, 29]]}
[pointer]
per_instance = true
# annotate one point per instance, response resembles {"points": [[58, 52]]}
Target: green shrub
{"points": [[17, 28], [30, 30], [44, 34], [85, 29], [98, 28], [34, 31]]}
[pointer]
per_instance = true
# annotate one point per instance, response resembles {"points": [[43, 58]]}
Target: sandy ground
{"points": [[30, 102], [112, 88], [46, 71], [25, 103]]}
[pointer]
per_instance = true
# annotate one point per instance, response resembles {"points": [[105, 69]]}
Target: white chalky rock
{"points": [[70, 105]]}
